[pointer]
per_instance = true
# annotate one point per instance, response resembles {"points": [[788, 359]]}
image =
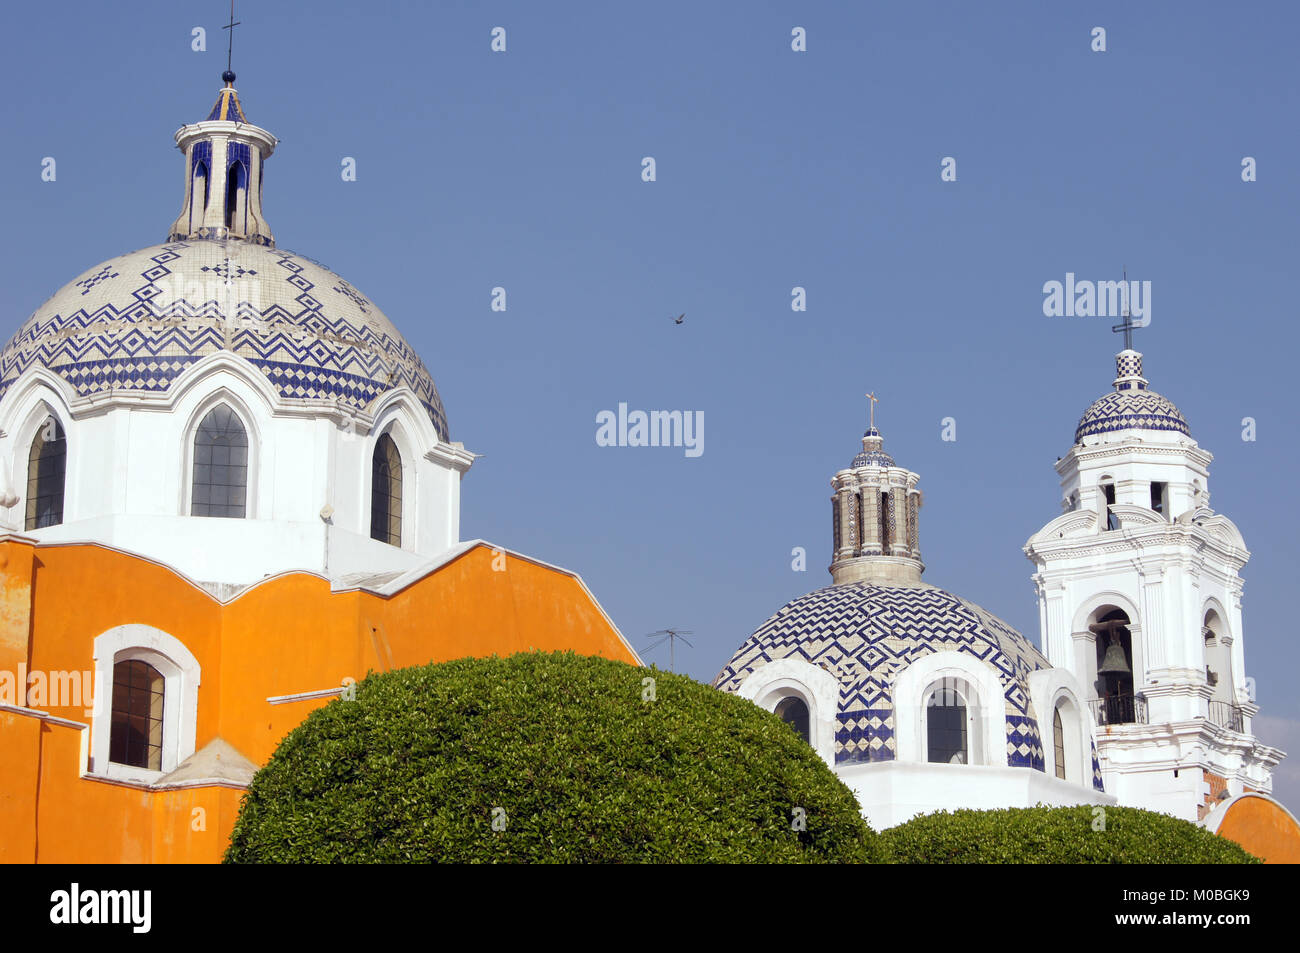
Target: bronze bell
{"points": [[1114, 662]]}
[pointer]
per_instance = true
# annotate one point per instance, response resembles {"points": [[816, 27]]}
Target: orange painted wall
{"points": [[287, 635], [1264, 829]]}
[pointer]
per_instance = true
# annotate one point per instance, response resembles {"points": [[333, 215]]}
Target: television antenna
{"points": [[670, 636]]}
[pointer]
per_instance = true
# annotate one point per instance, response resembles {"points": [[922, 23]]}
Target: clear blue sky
{"points": [[775, 169]]}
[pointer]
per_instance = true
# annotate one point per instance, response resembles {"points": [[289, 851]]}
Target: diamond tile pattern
{"points": [[138, 321], [865, 634], [1132, 405]]}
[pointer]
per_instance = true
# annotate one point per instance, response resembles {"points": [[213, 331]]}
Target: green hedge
{"points": [[584, 768], [1058, 835]]}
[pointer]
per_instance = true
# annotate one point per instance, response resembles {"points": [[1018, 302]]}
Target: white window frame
{"points": [[967, 694], [1049, 689], [985, 707], [181, 678], [818, 688], [393, 425]]}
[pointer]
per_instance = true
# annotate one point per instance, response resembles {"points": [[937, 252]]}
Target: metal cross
{"points": [[872, 398], [1127, 324], [230, 45]]}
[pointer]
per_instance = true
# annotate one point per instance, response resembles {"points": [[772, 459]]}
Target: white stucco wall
{"points": [[129, 469]]}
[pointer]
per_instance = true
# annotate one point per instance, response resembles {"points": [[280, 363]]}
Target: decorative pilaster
{"points": [[898, 519], [845, 519], [871, 519], [1153, 623]]}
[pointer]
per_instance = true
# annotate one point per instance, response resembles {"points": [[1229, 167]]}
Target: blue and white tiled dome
{"points": [[136, 322], [1131, 406], [872, 454], [865, 634]]}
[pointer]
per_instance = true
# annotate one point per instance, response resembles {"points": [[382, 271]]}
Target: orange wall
{"points": [[287, 635], [1264, 829]]}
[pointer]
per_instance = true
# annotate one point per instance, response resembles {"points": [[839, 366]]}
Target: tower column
{"points": [[845, 541], [898, 517], [870, 518]]}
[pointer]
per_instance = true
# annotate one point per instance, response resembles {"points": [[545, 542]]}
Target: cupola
{"points": [[223, 184]]}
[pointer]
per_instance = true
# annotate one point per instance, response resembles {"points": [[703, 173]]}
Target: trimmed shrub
{"points": [[1056, 835], [564, 754]]}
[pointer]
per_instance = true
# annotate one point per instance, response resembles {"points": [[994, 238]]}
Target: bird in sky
{"points": [[680, 318]]}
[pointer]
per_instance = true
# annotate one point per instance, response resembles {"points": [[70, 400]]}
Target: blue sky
{"points": [[775, 169]]}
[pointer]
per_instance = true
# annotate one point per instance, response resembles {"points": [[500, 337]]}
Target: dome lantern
{"points": [[875, 511], [223, 174], [1132, 405]]}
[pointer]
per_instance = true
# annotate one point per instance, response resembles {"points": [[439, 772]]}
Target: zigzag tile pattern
{"points": [[865, 635], [1122, 410], [138, 321]]}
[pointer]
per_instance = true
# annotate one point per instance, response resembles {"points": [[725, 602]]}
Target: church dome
{"points": [[136, 322], [872, 453], [865, 635], [1131, 406]]}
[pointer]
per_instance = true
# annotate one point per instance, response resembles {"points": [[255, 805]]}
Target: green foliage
{"points": [[1056, 835], [584, 768]]}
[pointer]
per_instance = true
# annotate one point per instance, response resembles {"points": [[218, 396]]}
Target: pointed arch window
{"points": [[198, 193], [47, 463], [136, 735], [236, 185], [220, 479], [794, 712], [1058, 741], [386, 492]]}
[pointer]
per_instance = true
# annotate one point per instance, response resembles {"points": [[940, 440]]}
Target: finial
{"points": [[1127, 324], [872, 397], [228, 77]]}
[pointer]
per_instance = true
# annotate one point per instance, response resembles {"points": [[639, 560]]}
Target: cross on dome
{"points": [[1126, 326]]}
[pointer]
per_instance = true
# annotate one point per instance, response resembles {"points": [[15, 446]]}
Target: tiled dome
{"points": [[1132, 405], [865, 634], [138, 321], [871, 454]]}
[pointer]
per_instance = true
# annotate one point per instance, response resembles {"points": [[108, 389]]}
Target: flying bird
{"points": [[680, 318]]}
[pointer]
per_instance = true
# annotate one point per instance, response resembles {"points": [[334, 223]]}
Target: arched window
{"points": [[886, 537], [1218, 672], [46, 469], [136, 736], [1107, 501], [1058, 741], [794, 712], [199, 193], [235, 185], [386, 492], [220, 486], [947, 741], [1114, 654]]}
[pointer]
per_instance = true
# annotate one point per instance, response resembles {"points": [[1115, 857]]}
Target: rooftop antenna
{"points": [[228, 76], [1127, 324], [670, 636]]}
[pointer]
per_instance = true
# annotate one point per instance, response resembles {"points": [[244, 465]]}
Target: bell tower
{"points": [[1140, 596]]}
